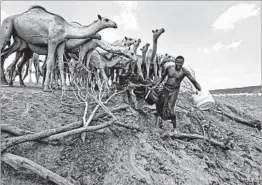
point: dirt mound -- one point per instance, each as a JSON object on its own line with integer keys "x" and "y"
{"x": 117, "y": 155}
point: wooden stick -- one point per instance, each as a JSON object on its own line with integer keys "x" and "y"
{"x": 21, "y": 162}
{"x": 196, "y": 136}
{"x": 252, "y": 123}
{"x": 31, "y": 137}
{"x": 14, "y": 130}
{"x": 85, "y": 124}
{"x": 79, "y": 131}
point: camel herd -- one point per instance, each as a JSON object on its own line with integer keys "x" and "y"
{"x": 70, "y": 45}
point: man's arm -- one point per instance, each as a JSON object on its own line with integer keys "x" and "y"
{"x": 192, "y": 80}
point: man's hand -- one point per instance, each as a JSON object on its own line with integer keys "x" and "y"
{"x": 197, "y": 92}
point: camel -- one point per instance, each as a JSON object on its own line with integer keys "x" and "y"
{"x": 144, "y": 50}
{"x": 135, "y": 45}
{"x": 138, "y": 68}
{"x": 125, "y": 42}
{"x": 112, "y": 72}
{"x": 98, "y": 62}
{"x": 21, "y": 46}
{"x": 97, "y": 57}
{"x": 151, "y": 53}
{"x": 132, "y": 66}
{"x": 22, "y": 49}
{"x": 86, "y": 51}
{"x": 51, "y": 31}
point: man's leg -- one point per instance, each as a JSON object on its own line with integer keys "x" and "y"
{"x": 173, "y": 119}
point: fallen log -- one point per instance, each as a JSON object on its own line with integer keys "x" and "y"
{"x": 131, "y": 127}
{"x": 20, "y": 162}
{"x": 14, "y": 130}
{"x": 79, "y": 131}
{"x": 196, "y": 136}
{"x": 252, "y": 123}
{"x": 31, "y": 137}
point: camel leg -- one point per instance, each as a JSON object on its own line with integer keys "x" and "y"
{"x": 54, "y": 78}
{"x": 5, "y": 55}
{"x": 139, "y": 69}
{"x": 155, "y": 70}
{"x": 60, "y": 54}
{"x": 49, "y": 65}
{"x": 37, "y": 75}
{"x": 159, "y": 72}
{"x": 30, "y": 69}
{"x": 27, "y": 55}
{"x": 147, "y": 67}
{"x": 120, "y": 72}
{"x": 27, "y": 69}
{"x": 88, "y": 57}
{"x": 115, "y": 73}
{"x": 44, "y": 72}
{"x": 13, "y": 66}
{"x": 6, "y": 32}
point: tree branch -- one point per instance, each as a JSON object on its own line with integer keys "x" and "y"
{"x": 14, "y": 130}
{"x": 196, "y": 136}
{"x": 21, "y": 162}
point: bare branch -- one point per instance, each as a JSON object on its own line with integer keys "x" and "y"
{"x": 14, "y": 130}
{"x": 21, "y": 162}
{"x": 196, "y": 136}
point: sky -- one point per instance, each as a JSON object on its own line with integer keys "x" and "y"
{"x": 220, "y": 40}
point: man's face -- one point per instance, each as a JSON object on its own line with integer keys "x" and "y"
{"x": 179, "y": 63}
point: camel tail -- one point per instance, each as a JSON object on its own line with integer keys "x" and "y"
{"x": 7, "y": 29}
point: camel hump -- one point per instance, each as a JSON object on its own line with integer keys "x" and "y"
{"x": 43, "y": 9}
{"x": 37, "y": 6}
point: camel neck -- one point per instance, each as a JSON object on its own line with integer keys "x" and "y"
{"x": 109, "y": 47}
{"x": 83, "y": 32}
{"x": 112, "y": 63}
{"x": 135, "y": 48}
{"x": 154, "y": 49}
{"x": 143, "y": 56}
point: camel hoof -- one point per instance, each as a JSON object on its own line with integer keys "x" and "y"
{"x": 11, "y": 85}
{"x": 4, "y": 82}
{"x": 46, "y": 89}
{"x": 56, "y": 87}
{"x": 65, "y": 88}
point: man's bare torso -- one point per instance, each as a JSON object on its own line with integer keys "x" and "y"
{"x": 175, "y": 77}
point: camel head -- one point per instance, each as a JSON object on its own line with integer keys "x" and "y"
{"x": 165, "y": 58}
{"x": 129, "y": 53}
{"x": 105, "y": 22}
{"x": 137, "y": 42}
{"x": 145, "y": 48}
{"x": 157, "y": 33}
{"x": 121, "y": 62}
{"x": 96, "y": 36}
{"x": 129, "y": 41}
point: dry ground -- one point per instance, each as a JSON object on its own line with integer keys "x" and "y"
{"x": 121, "y": 156}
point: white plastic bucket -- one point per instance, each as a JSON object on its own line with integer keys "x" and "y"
{"x": 203, "y": 100}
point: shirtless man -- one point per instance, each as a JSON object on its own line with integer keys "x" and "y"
{"x": 168, "y": 96}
